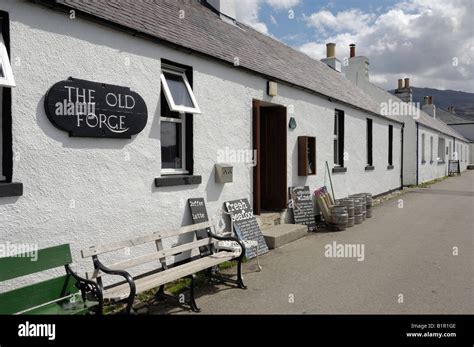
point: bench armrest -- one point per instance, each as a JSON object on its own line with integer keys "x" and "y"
{"x": 98, "y": 265}
{"x": 89, "y": 289}
{"x": 221, "y": 238}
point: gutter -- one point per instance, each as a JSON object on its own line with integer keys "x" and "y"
{"x": 60, "y": 6}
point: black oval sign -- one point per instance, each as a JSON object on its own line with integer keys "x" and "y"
{"x": 90, "y": 109}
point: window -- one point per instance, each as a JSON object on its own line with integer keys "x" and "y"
{"x": 6, "y": 82}
{"x": 369, "y": 143}
{"x": 423, "y": 149}
{"x": 6, "y": 73}
{"x": 431, "y": 149}
{"x": 176, "y": 124}
{"x": 339, "y": 138}
{"x": 441, "y": 149}
{"x": 177, "y": 90}
{"x": 390, "y": 145}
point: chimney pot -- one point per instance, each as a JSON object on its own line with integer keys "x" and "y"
{"x": 330, "y": 50}
{"x": 400, "y": 83}
{"x": 430, "y": 100}
{"x": 352, "y": 48}
{"x": 425, "y": 100}
{"x": 407, "y": 82}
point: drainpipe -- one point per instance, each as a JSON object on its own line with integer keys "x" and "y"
{"x": 401, "y": 151}
{"x": 417, "y": 145}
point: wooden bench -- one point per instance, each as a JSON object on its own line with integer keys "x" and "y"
{"x": 163, "y": 272}
{"x": 55, "y": 296}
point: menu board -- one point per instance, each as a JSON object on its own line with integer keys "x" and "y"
{"x": 246, "y": 226}
{"x": 199, "y": 215}
{"x": 453, "y": 167}
{"x": 302, "y": 207}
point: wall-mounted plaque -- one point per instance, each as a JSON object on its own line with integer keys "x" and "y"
{"x": 90, "y": 109}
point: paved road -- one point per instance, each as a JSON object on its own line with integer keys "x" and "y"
{"x": 408, "y": 251}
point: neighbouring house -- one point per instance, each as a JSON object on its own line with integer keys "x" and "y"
{"x": 461, "y": 125}
{"x": 161, "y": 92}
{"x": 428, "y": 143}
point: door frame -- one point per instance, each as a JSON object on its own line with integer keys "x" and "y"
{"x": 256, "y": 143}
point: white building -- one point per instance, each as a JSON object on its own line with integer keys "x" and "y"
{"x": 177, "y": 56}
{"x": 428, "y": 143}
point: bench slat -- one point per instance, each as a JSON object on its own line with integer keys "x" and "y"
{"x": 48, "y": 258}
{"x": 36, "y": 294}
{"x": 151, "y": 257}
{"x": 122, "y": 291}
{"x": 114, "y": 246}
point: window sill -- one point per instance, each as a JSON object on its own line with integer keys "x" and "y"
{"x": 337, "y": 169}
{"x": 423, "y": 161}
{"x": 11, "y": 189}
{"x": 177, "y": 180}
{"x": 390, "y": 167}
{"x": 369, "y": 168}
{"x": 431, "y": 161}
{"x": 441, "y": 162}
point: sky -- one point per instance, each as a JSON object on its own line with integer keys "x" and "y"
{"x": 430, "y": 41}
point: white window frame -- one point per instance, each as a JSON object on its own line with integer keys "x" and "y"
{"x": 442, "y": 147}
{"x": 169, "y": 96}
{"x": 8, "y": 80}
{"x": 336, "y": 140}
{"x": 431, "y": 149}
{"x": 181, "y": 120}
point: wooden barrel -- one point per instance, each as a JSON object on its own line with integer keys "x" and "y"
{"x": 369, "y": 199}
{"x": 349, "y": 204}
{"x": 364, "y": 215}
{"x": 339, "y": 217}
{"x": 358, "y": 219}
{"x": 350, "y": 222}
{"x": 369, "y": 212}
{"x": 358, "y": 206}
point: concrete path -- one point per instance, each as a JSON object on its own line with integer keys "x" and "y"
{"x": 408, "y": 264}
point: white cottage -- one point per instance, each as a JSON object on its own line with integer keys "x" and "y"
{"x": 428, "y": 143}
{"x": 215, "y": 91}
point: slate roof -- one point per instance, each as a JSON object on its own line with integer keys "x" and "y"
{"x": 203, "y": 31}
{"x": 448, "y": 117}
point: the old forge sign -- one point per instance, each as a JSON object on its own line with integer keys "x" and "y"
{"x": 91, "y": 109}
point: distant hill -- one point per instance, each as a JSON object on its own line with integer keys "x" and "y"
{"x": 463, "y": 102}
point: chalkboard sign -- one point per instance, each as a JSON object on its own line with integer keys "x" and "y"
{"x": 302, "y": 206}
{"x": 246, "y": 226}
{"x": 454, "y": 167}
{"x": 90, "y": 109}
{"x": 199, "y": 215}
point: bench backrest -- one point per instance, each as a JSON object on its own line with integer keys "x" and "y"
{"x": 157, "y": 238}
{"x": 38, "y": 293}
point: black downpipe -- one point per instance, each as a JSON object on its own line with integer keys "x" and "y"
{"x": 417, "y": 146}
{"x": 401, "y": 160}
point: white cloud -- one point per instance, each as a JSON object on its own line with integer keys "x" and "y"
{"x": 247, "y": 12}
{"x": 282, "y": 4}
{"x": 416, "y": 38}
{"x": 352, "y": 20}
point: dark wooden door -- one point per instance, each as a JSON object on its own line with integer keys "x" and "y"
{"x": 273, "y": 158}
{"x": 256, "y": 147}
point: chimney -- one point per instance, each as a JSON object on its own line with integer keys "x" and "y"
{"x": 356, "y": 69}
{"x": 404, "y": 91}
{"x": 400, "y": 83}
{"x": 429, "y": 107}
{"x": 331, "y": 59}
{"x": 451, "y": 109}
{"x": 352, "y": 49}
{"x": 226, "y": 8}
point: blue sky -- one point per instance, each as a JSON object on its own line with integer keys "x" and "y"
{"x": 430, "y": 41}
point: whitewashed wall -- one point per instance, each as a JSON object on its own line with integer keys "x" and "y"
{"x": 84, "y": 191}
{"x": 431, "y": 170}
